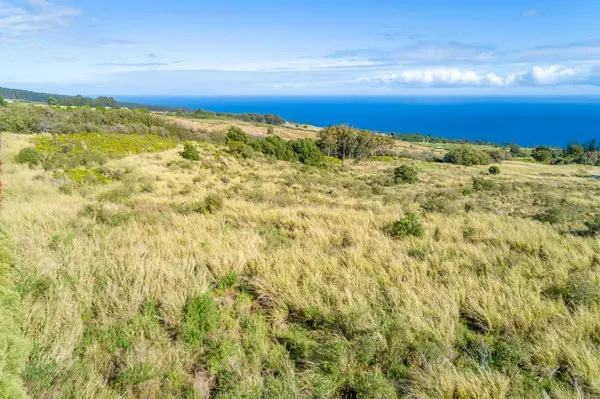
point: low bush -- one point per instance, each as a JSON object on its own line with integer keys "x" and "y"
{"x": 405, "y": 174}
{"x": 542, "y": 154}
{"x": 307, "y": 151}
{"x": 409, "y": 225}
{"x": 240, "y": 149}
{"x": 30, "y": 156}
{"x": 499, "y": 155}
{"x": 277, "y": 147}
{"x": 236, "y": 134}
{"x": 200, "y": 317}
{"x": 467, "y": 155}
{"x": 190, "y": 152}
{"x": 439, "y": 203}
{"x": 212, "y": 204}
{"x": 482, "y": 184}
{"x": 494, "y": 170}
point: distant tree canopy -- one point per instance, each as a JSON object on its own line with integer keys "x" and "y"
{"x": 542, "y": 153}
{"x": 27, "y": 118}
{"x": 467, "y": 155}
{"x": 303, "y": 150}
{"x": 269, "y": 119}
{"x": 515, "y": 150}
{"x": 3, "y": 102}
{"x": 420, "y": 138}
{"x": 80, "y": 101}
{"x": 346, "y": 142}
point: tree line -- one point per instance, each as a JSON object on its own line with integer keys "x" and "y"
{"x": 587, "y": 153}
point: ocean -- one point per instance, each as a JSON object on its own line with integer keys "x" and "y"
{"x": 527, "y": 121}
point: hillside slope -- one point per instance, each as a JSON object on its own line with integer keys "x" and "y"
{"x": 155, "y": 277}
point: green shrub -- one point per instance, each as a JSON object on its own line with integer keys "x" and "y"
{"x": 439, "y": 203}
{"x": 200, "y": 317}
{"x": 30, "y": 156}
{"x": 542, "y": 154}
{"x": 277, "y": 147}
{"x": 308, "y": 152}
{"x": 409, "y": 225}
{"x": 236, "y": 134}
{"x": 190, "y": 152}
{"x": 467, "y": 155}
{"x": 270, "y": 130}
{"x": 240, "y": 149}
{"x": 499, "y": 155}
{"x": 405, "y": 174}
{"x": 482, "y": 184}
{"x": 494, "y": 170}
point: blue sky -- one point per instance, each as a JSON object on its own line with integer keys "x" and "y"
{"x": 428, "y": 47}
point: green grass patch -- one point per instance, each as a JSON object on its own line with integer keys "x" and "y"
{"x": 13, "y": 345}
{"x": 114, "y": 145}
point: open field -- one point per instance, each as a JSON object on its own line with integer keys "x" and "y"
{"x": 231, "y": 277}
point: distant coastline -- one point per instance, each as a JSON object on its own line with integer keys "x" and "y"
{"x": 527, "y": 121}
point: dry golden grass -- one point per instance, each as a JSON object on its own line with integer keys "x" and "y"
{"x": 105, "y": 293}
{"x": 289, "y": 132}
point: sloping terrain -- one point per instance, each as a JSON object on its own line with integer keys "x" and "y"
{"x": 155, "y": 276}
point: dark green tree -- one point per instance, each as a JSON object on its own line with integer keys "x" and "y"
{"x": 236, "y": 134}
{"x": 542, "y": 154}
{"x": 308, "y": 152}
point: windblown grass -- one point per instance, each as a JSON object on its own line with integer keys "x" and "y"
{"x": 294, "y": 288}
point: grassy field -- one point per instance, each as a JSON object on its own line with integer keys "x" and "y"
{"x": 255, "y": 278}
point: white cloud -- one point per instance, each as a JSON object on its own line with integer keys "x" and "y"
{"x": 552, "y": 75}
{"x": 438, "y": 77}
{"x": 34, "y": 16}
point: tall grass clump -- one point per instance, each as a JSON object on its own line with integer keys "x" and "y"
{"x": 13, "y": 345}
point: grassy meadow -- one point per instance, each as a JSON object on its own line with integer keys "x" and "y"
{"x": 154, "y": 276}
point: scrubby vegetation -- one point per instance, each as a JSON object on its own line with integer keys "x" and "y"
{"x": 250, "y": 274}
{"x": 346, "y": 142}
{"x": 467, "y": 155}
{"x": 13, "y": 345}
{"x": 405, "y": 174}
{"x": 27, "y": 118}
